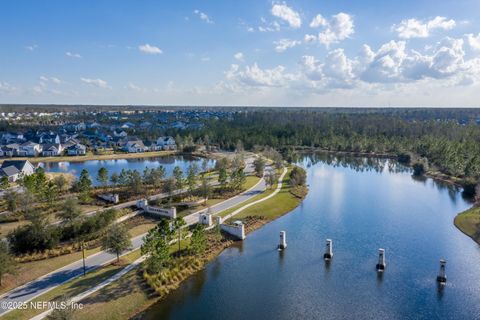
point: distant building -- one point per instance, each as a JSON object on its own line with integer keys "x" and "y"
{"x": 15, "y": 169}
{"x": 77, "y": 150}
{"x": 51, "y": 150}
{"x": 166, "y": 143}
{"x": 29, "y": 149}
{"x": 134, "y": 146}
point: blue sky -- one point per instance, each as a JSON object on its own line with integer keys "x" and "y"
{"x": 293, "y": 53}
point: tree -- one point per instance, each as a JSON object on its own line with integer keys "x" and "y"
{"x": 114, "y": 179}
{"x": 178, "y": 176}
{"x": 205, "y": 189}
{"x": 4, "y": 183}
{"x": 7, "y": 262}
{"x": 135, "y": 182}
{"x": 198, "y": 242}
{"x": 192, "y": 178}
{"x": 12, "y": 198}
{"x": 204, "y": 166}
{"x": 298, "y": 176}
{"x": 237, "y": 179}
{"x": 156, "y": 246}
{"x": 26, "y": 200}
{"x": 222, "y": 178}
{"x": 51, "y": 192}
{"x": 169, "y": 187}
{"x": 178, "y": 224}
{"x": 60, "y": 182}
{"x": 35, "y": 236}
{"x": 271, "y": 178}
{"x": 116, "y": 240}
{"x": 259, "y": 165}
{"x": 70, "y": 211}
{"x": 477, "y": 195}
{"x": 84, "y": 185}
{"x": 156, "y": 176}
{"x": 102, "y": 176}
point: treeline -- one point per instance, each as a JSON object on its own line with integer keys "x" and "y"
{"x": 450, "y": 147}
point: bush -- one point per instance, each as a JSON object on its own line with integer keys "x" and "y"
{"x": 34, "y": 237}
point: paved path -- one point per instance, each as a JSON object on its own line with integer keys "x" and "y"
{"x": 277, "y": 190}
{"x": 52, "y": 280}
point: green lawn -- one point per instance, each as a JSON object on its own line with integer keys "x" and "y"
{"x": 274, "y": 207}
{"x": 469, "y": 223}
{"x": 76, "y": 286}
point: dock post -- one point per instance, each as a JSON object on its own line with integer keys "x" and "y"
{"x": 381, "y": 260}
{"x": 283, "y": 241}
{"x": 442, "y": 277}
{"x": 329, "y": 251}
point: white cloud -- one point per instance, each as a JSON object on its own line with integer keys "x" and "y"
{"x": 148, "y": 49}
{"x": 413, "y": 28}
{"x": 338, "y": 28}
{"x": 50, "y": 79}
{"x": 133, "y": 87}
{"x": 287, "y": 14}
{"x": 203, "y": 16}
{"x": 284, "y": 44}
{"x": 473, "y": 41}
{"x": 318, "y": 21}
{"x": 96, "y": 82}
{"x": 256, "y": 77}
{"x": 6, "y": 87}
{"x": 239, "y": 56}
{"x": 73, "y": 55}
{"x": 31, "y": 47}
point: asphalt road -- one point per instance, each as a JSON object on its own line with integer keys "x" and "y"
{"x": 50, "y": 281}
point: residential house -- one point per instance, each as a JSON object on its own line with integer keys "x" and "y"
{"x": 134, "y": 146}
{"x": 166, "y": 143}
{"x": 120, "y": 134}
{"x": 29, "y": 149}
{"x": 52, "y": 150}
{"x": 76, "y": 150}
{"x": 49, "y": 138}
{"x": 15, "y": 169}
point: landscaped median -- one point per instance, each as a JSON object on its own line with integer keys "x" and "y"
{"x": 469, "y": 223}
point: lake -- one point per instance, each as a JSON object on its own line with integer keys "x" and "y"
{"x": 362, "y": 205}
{"x": 117, "y": 165}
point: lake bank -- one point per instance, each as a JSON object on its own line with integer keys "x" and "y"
{"x": 122, "y": 306}
{"x": 468, "y": 222}
{"x": 91, "y": 156}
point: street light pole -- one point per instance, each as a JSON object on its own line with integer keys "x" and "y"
{"x": 83, "y": 257}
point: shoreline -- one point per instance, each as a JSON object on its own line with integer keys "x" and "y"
{"x": 252, "y": 223}
{"x": 92, "y": 157}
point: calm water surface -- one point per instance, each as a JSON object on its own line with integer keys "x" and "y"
{"x": 362, "y": 205}
{"x": 92, "y": 166}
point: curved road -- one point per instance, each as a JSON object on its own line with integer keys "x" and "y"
{"x": 52, "y": 280}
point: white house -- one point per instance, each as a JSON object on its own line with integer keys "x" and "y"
{"x": 15, "y": 169}
{"x": 135, "y": 146}
{"x": 166, "y": 143}
{"x": 29, "y": 149}
{"x": 51, "y": 150}
{"x": 77, "y": 150}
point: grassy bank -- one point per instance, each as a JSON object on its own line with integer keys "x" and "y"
{"x": 469, "y": 223}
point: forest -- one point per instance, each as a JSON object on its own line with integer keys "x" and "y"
{"x": 439, "y": 141}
